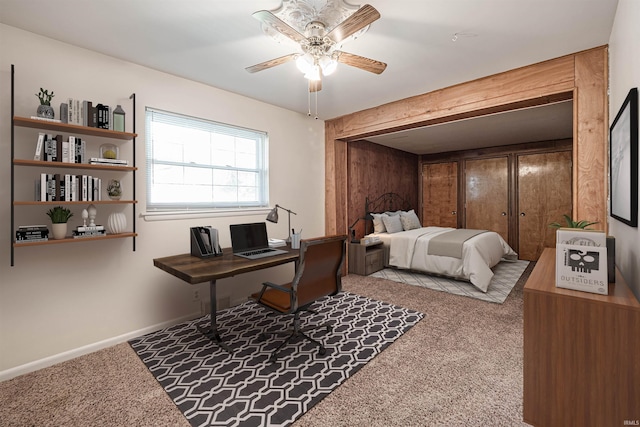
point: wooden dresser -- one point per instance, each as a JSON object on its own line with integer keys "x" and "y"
{"x": 581, "y": 353}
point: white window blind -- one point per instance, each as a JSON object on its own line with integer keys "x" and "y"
{"x": 199, "y": 164}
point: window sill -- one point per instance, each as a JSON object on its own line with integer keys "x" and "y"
{"x": 217, "y": 213}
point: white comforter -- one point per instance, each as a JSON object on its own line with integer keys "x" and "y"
{"x": 408, "y": 250}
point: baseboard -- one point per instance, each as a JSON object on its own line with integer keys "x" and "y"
{"x": 81, "y": 351}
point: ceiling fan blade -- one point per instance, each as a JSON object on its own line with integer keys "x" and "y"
{"x": 279, "y": 25}
{"x": 361, "y": 62}
{"x": 271, "y": 63}
{"x": 315, "y": 85}
{"x": 360, "y": 19}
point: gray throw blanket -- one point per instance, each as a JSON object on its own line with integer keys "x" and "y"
{"x": 450, "y": 243}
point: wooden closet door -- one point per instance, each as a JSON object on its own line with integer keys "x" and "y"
{"x": 544, "y": 195}
{"x": 487, "y": 195}
{"x": 440, "y": 194}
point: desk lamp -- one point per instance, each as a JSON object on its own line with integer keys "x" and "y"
{"x": 273, "y": 217}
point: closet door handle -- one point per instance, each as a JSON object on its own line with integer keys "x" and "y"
{"x": 453, "y": 212}
{"x": 503, "y": 214}
{"x": 522, "y": 214}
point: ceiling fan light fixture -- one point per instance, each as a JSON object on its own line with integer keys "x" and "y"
{"x": 305, "y": 63}
{"x": 313, "y": 73}
{"x": 328, "y": 65}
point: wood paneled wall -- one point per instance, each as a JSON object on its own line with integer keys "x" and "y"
{"x": 581, "y": 76}
{"x": 373, "y": 170}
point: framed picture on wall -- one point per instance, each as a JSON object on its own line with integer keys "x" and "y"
{"x": 623, "y": 158}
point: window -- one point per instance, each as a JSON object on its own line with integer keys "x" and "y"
{"x": 194, "y": 163}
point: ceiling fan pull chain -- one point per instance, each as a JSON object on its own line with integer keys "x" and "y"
{"x": 309, "y": 103}
{"x": 316, "y": 93}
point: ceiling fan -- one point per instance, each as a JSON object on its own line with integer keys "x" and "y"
{"x": 321, "y": 46}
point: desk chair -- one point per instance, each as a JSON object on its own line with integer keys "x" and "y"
{"x": 318, "y": 275}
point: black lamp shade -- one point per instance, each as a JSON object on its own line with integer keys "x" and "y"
{"x": 273, "y": 215}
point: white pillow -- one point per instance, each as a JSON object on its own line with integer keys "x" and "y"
{"x": 378, "y": 225}
{"x": 392, "y": 223}
{"x": 409, "y": 220}
{"x": 393, "y": 213}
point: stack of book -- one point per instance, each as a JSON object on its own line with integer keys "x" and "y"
{"x": 32, "y": 233}
{"x": 68, "y": 188}
{"x": 275, "y": 243}
{"x": 53, "y": 148}
{"x": 89, "y": 231}
{"x": 84, "y": 113}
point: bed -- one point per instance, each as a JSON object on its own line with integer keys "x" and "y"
{"x": 460, "y": 254}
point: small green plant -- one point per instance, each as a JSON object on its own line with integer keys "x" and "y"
{"x": 44, "y": 96}
{"x": 572, "y": 224}
{"x": 59, "y": 214}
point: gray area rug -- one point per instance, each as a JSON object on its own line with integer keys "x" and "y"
{"x": 213, "y": 388}
{"x": 506, "y": 275}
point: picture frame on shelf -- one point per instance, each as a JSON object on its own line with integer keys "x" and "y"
{"x": 623, "y": 162}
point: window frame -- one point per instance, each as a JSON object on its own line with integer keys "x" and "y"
{"x": 223, "y": 208}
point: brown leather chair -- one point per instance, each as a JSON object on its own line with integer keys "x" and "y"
{"x": 318, "y": 275}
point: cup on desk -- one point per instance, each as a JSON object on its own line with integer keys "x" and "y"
{"x": 295, "y": 240}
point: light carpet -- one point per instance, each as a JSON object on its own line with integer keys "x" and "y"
{"x": 213, "y": 388}
{"x": 506, "y": 275}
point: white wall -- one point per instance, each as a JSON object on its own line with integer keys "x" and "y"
{"x": 624, "y": 74}
{"x": 59, "y": 301}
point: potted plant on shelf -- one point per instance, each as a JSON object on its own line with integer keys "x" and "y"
{"x": 59, "y": 216}
{"x": 45, "y": 109}
{"x": 570, "y": 223}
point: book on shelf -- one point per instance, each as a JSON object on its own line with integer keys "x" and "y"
{"x": 80, "y": 150}
{"x": 59, "y": 187}
{"x": 97, "y": 188}
{"x": 89, "y": 228}
{"x": 86, "y": 112}
{"x": 64, "y": 112}
{"x": 39, "y": 144}
{"x": 80, "y": 234}
{"x": 45, "y": 119}
{"x": 74, "y": 110}
{"x": 65, "y": 152}
{"x": 48, "y": 153}
{"x": 103, "y": 113}
{"x": 57, "y": 140}
{"x": 31, "y": 235}
{"x": 103, "y": 161}
{"x": 32, "y": 227}
{"x": 42, "y": 239}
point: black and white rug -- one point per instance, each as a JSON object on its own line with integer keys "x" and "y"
{"x": 214, "y": 388}
{"x": 505, "y": 277}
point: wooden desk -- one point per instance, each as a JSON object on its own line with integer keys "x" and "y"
{"x": 195, "y": 270}
{"x": 581, "y": 352}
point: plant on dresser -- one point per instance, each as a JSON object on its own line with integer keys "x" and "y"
{"x": 70, "y": 176}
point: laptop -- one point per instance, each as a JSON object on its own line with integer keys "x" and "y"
{"x": 250, "y": 241}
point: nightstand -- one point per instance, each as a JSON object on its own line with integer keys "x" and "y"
{"x": 366, "y": 259}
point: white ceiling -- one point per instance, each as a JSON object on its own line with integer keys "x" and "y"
{"x": 212, "y": 41}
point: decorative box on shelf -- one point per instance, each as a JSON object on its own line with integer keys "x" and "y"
{"x": 581, "y": 260}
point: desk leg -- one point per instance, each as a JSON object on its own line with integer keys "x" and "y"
{"x": 211, "y": 332}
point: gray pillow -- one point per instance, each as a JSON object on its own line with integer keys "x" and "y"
{"x": 409, "y": 220}
{"x": 392, "y": 223}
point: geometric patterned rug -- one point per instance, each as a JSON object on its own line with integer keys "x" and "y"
{"x": 214, "y": 388}
{"x": 506, "y": 275}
